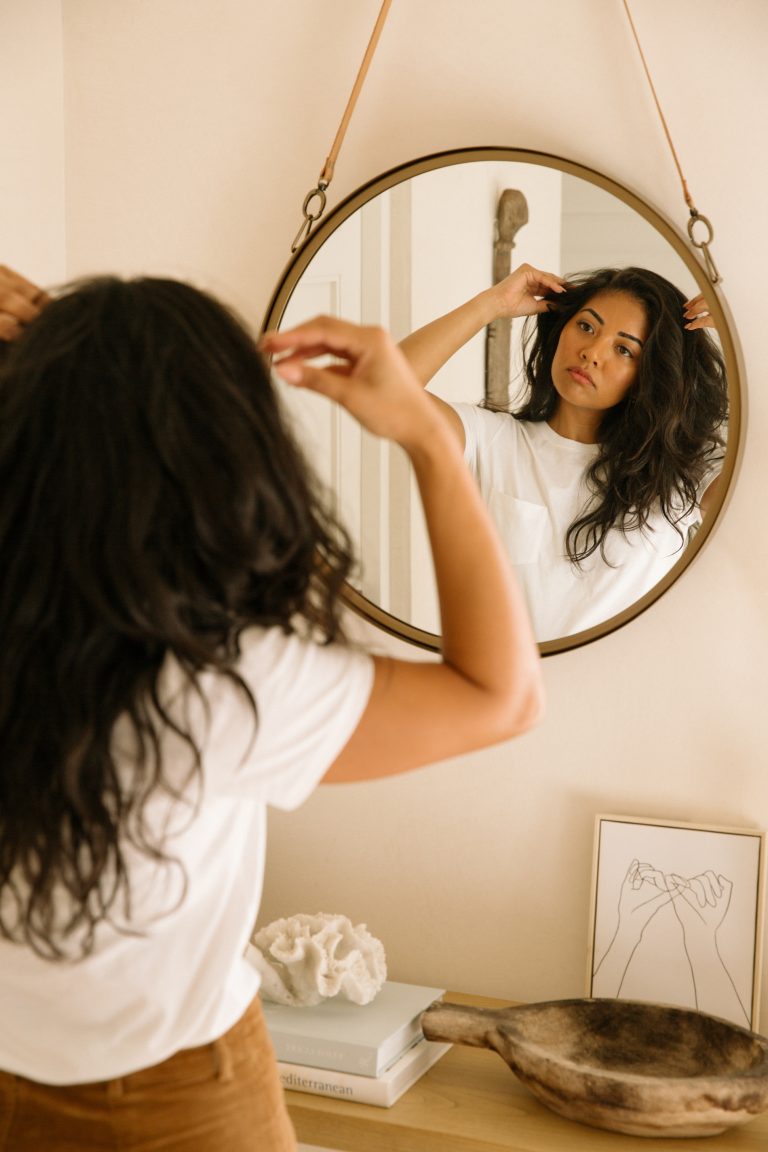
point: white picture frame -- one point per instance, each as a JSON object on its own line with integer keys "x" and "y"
{"x": 676, "y": 915}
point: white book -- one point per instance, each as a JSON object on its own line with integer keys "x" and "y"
{"x": 381, "y": 1091}
{"x": 343, "y": 1037}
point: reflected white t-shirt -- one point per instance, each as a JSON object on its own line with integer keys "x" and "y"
{"x": 138, "y": 999}
{"x": 533, "y": 483}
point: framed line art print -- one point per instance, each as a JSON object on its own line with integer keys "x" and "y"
{"x": 676, "y": 915}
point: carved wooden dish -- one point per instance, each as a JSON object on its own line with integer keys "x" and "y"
{"x": 642, "y": 1069}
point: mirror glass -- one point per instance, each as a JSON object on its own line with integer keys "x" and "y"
{"x": 409, "y": 247}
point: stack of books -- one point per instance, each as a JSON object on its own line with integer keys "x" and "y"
{"x": 369, "y": 1053}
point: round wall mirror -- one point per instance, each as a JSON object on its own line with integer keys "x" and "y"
{"x": 414, "y": 244}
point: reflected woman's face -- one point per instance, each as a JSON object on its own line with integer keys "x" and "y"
{"x": 598, "y": 354}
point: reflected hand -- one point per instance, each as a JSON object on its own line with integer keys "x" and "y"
{"x": 20, "y": 302}
{"x": 697, "y": 314}
{"x": 370, "y": 376}
{"x": 518, "y": 294}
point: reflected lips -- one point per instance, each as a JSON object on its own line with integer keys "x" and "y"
{"x": 581, "y": 376}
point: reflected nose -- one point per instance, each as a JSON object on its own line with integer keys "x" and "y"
{"x": 593, "y": 350}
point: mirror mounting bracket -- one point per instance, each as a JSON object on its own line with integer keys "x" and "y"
{"x": 694, "y": 219}
{"x": 310, "y": 217}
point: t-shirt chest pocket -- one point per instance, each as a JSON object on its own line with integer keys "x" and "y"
{"x": 521, "y": 525}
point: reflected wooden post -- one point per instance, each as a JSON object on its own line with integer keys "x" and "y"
{"x": 511, "y": 215}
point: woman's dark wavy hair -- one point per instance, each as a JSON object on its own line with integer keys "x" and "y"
{"x": 153, "y": 501}
{"x": 655, "y": 444}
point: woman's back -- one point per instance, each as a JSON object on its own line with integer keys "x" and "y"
{"x": 151, "y": 502}
{"x": 172, "y": 665}
{"x": 168, "y": 972}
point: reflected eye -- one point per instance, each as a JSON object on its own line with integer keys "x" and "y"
{"x": 584, "y": 325}
{"x": 624, "y": 351}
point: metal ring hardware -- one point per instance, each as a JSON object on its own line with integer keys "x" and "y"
{"x": 310, "y": 217}
{"x": 694, "y": 219}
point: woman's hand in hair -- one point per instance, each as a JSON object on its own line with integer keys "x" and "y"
{"x": 430, "y": 347}
{"x": 520, "y": 293}
{"x": 369, "y": 375}
{"x": 697, "y": 314}
{"x": 20, "y": 302}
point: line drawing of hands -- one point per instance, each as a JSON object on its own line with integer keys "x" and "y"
{"x": 699, "y": 904}
{"x": 701, "y": 901}
{"x": 644, "y": 891}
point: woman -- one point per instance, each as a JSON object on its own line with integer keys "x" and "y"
{"x": 172, "y": 663}
{"x": 597, "y": 480}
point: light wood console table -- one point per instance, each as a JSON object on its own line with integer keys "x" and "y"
{"x": 470, "y": 1101}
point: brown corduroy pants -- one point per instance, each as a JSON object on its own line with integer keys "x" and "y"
{"x": 220, "y": 1097}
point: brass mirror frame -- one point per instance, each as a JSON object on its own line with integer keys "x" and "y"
{"x": 298, "y": 264}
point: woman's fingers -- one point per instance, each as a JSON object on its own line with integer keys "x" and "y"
{"x": 295, "y": 370}
{"x": 548, "y": 281}
{"x": 21, "y": 301}
{"x": 697, "y": 314}
{"x": 539, "y": 276}
{"x": 306, "y": 352}
{"x": 10, "y": 327}
{"x": 519, "y": 294}
{"x": 324, "y": 335}
{"x": 538, "y": 283}
{"x": 369, "y": 375}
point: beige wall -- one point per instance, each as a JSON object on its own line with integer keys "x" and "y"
{"x": 193, "y": 132}
{"x": 32, "y": 138}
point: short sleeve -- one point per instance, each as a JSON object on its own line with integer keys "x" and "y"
{"x": 467, "y": 413}
{"x": 484, "y": 429}
{"x": 309, "y": 700}
{"x": 714, "y": 466}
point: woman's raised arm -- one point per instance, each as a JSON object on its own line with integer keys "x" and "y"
{"x": 429, "y": 348}
{"x": 518, "y": 294}
{"x": 487, "y": 688}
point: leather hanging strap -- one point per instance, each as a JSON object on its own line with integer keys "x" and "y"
{"x": 695, "y": 216}
{"x": 312, "y": 213}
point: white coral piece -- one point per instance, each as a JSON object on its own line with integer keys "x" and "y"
{"x": 305, "y": 959}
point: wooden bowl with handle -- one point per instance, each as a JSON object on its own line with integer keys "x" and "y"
{"x": 638, "y": 1068}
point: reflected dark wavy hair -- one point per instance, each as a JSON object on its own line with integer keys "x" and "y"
{"x": 153, "y": 501}
{"x": 655, "y": 444}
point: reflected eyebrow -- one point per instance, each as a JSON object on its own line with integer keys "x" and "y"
{"x": 626, "y": 335}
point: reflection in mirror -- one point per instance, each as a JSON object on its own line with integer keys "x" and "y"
{"x": 597, "y": 478}
{"x": 418, "y": 249}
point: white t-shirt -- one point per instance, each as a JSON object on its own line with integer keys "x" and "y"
{"x": 533, "y": 483}
{"x": 138, "y": 999}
